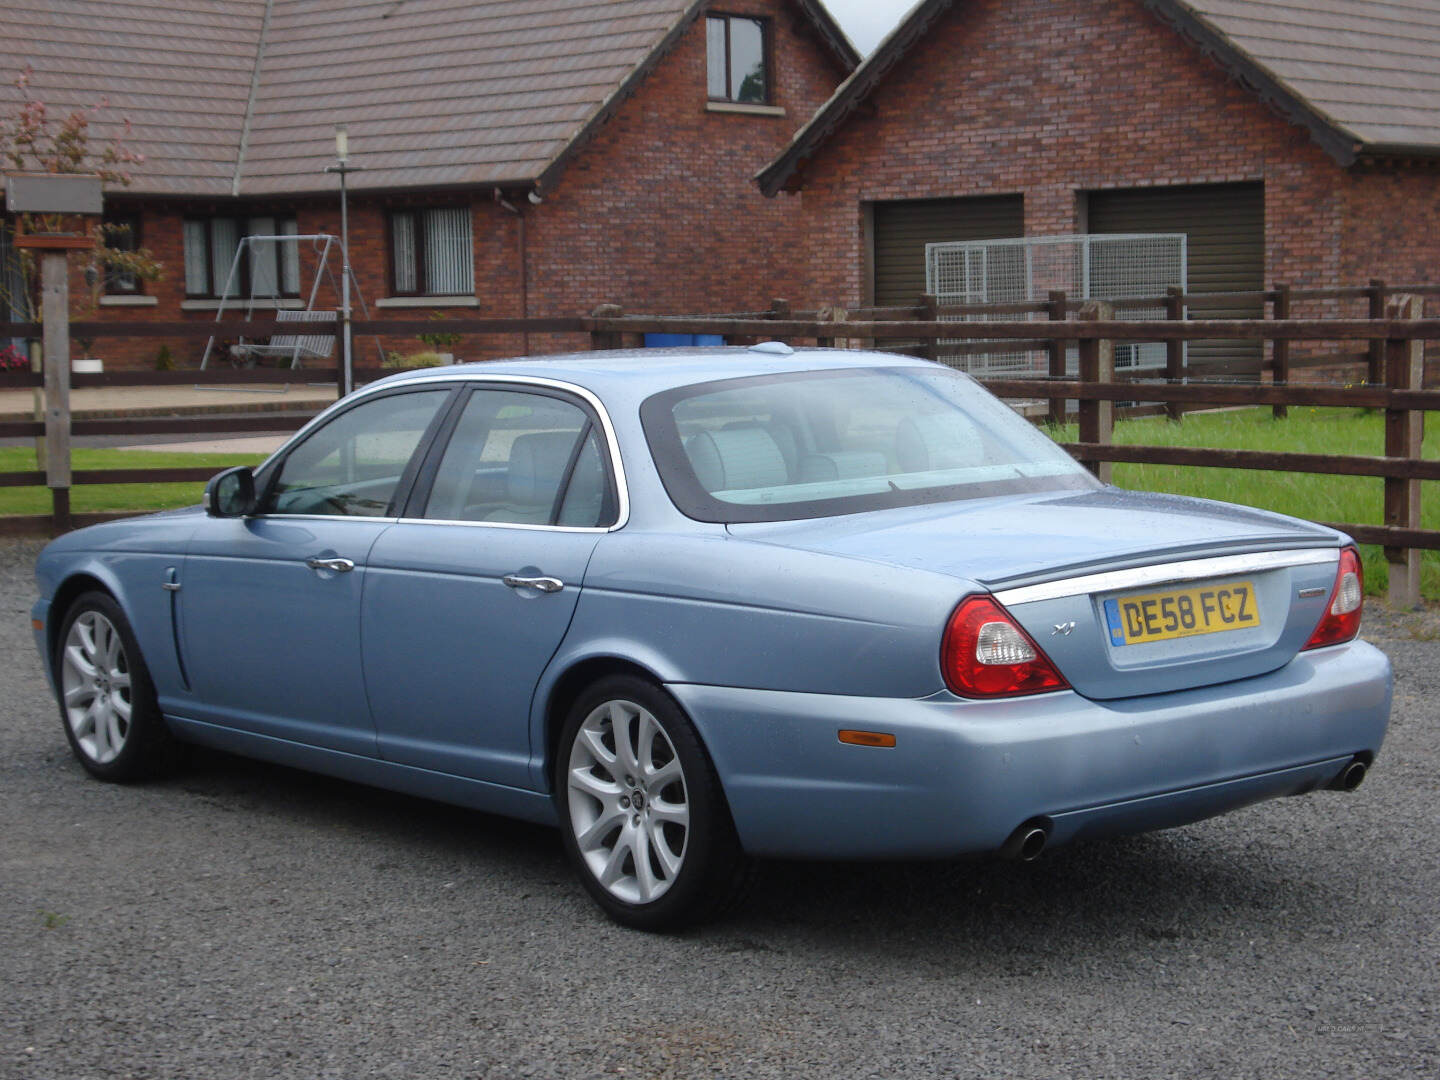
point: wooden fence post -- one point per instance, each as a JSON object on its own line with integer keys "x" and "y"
{"x": 1097, "y": 365}
{"x": 930, "y": 312}
{"x": 1404, "y": 433}
{"x": 1280, "y": 351}
{"x": 606, "y": 339}
{"x": 1376, "y": 292}
{"x": 1058, "y": 311}
{"x": 55, "y": 309}
{"x": 836, "y": 315}
{"x": 1175, "y": 350}
{"x": 779, "y": 310}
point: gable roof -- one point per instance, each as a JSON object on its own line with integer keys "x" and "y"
{"x": 240, "y": 97}
{"x": 1369, "y": 69}
{"x": 1363, "y": 76}
{"x": 181, "y": 74}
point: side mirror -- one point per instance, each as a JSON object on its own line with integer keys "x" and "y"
{"x": 231, "y": 493}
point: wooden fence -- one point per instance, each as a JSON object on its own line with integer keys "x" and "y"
{"x": 1392, "y": 336}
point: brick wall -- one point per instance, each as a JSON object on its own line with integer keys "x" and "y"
{"x": 658, "y": 213}
{"x": 1051, "y": 98}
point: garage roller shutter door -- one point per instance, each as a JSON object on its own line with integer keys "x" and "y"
{"x": 903, "y": 228}
{"x": 1226, "y": 228}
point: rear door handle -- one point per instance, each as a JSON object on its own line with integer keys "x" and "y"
{"x": 339, "y": 566}
{"x": 544, "y": 584}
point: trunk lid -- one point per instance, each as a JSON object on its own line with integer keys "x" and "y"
{"x": 1106, "y": 581}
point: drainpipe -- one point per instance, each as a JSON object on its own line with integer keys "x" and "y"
{"x": 524, "y": 261}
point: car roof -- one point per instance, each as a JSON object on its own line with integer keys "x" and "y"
{"x": 638, "y": 373}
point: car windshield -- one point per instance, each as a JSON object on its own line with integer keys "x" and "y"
{"x": 817, "y": 443}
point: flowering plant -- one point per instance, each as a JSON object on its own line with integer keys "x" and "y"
{"x": 12, "y": 359}
{"x": 33, "y": 139}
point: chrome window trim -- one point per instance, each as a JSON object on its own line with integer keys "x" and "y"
{"x": 507, "y": 525}
{"x": 319, "y": 517}
{"x": 1167, "y": 573}
{"x": 617, "y": 467}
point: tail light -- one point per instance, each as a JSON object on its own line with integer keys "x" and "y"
{"x": 986, "y": 654}
{"x": 1341, "y": 621}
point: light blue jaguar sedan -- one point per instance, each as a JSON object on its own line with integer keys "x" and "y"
{"x": 701, "y": 606}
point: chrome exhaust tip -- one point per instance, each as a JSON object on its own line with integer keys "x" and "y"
{"x": 1351, "y": 777}
{"x": 1026, "y": 843}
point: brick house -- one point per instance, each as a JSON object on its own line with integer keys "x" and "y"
{"x": 1292, "y": 143}
{"x": 517, "y": 159}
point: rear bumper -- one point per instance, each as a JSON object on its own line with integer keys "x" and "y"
{"x": 964, "y": 774}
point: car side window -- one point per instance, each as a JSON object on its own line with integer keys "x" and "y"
{"x": 353, "y": 465}
{"x": 522, "y": 459}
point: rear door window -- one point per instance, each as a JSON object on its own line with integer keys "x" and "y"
{"x": 520, "y": 458}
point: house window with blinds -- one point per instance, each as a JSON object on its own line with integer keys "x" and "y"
{"x": 432, "y": 252}
{"x": 270, "y": 268}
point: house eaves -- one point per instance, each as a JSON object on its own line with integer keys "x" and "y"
{"x": 842, "y": 50}
{"x": 1345, "y": 141}
{"x": 849, "y": 96}
{"x": 1342, "y": 145}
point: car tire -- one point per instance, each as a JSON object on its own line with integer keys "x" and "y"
{"x": 642, "y": 812}
{"x": 107, "y": 701}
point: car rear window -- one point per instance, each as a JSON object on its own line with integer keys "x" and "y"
{"x": 818, "y": 443}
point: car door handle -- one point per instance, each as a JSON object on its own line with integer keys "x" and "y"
{"x": 340, "y": 566}
{"x": 544, "y": 584}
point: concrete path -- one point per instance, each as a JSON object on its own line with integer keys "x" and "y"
{"x": 118, "y": 401}
{"x": 245, "y": 444}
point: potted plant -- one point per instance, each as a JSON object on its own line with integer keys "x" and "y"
{"x": 440, "y": 341}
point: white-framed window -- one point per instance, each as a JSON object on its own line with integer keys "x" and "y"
{"x": 737, "y": 59}
{"x": 432, "y": 252}
{"x": 272, "y": 268}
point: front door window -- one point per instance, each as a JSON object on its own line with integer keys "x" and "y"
{"x": 353, "y": 466}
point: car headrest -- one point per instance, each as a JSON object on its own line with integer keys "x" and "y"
{"x": 736, "y": 459}
{"x": 537, "y": 464}
{"x": 937, "y": 441}
{"x": 842, "y": 465}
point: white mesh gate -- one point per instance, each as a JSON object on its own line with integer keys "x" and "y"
{"x": 1094, "y": 267}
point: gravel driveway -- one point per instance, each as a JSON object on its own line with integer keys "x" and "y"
{"x": 245, "y": 920}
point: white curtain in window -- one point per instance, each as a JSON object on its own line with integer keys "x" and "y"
{"x": 224, "y": 240}
{"x": 403, "y": 230}
{"x": 289, "y": 259}
{"x": 715, "y": 57}
{"x": 197, "y": 266}
{"x": 263, "y": 270}
{"x": 449, "y": 257}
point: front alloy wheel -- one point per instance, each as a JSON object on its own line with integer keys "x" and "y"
{"x": 96, "y": 688}
{"x": 643, "y": 816}
{"x": 107, "y": 701}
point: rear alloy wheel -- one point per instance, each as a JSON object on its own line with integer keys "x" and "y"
{"x": 106, "y": 698}
{"x": 643, "y": 815}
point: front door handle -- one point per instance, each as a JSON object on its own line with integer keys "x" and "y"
{"x": 339, "y": 566}
{"x": 544, "y": 584}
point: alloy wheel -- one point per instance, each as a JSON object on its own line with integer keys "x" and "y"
{"x": 628, "y": 805}
{"x": 95, "y": 687}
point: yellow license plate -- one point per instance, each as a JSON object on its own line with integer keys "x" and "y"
{"x": 1177, "y": 613}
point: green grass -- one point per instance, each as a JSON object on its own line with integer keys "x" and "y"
{"x": 1355, "y": 499}
{"x": 95, "y": 498}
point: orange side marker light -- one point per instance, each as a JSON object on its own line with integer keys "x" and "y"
{"x": 866, "y": 738}
{"x": 37, "y": 624}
